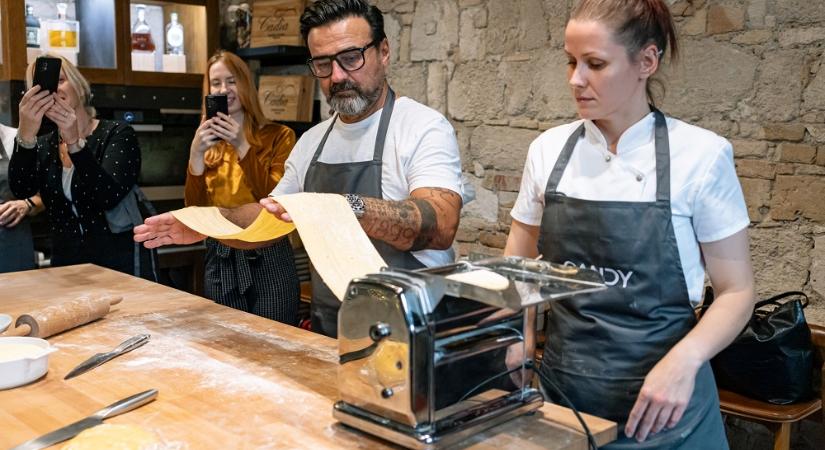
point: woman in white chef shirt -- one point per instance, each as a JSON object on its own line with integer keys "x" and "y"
{"x": 591, "y": 196}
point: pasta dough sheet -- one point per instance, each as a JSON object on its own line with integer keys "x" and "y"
{"x": 334, "y": 240}
{"x": 482, "y": 278}
{"x": 209, "y": 221}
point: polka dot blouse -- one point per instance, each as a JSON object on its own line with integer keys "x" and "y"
{"x": 104, "y": 172}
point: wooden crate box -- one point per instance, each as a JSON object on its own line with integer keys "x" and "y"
{"x": 276, "y": 22}
{"x": 287, "y": 98}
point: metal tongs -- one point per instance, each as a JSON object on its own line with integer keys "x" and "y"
{"x": 100, "y": 358}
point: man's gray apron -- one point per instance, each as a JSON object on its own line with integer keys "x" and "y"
{"x": 16, "y": 243}
{"x": 362, "y": 178}
{"x": 601, "y": 346}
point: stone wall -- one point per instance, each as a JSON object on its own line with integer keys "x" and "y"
{"x": 750, "y": 71}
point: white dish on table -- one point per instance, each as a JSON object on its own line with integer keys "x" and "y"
{"x": 5, "y": 321}
{"x": 29, "y": 360}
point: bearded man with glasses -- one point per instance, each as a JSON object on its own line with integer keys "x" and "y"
{"x": 396, "y": 160}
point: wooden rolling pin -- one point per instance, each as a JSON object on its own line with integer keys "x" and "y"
{"x": 56, "y": 318}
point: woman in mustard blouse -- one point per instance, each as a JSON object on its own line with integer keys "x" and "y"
{"x": 237, "y": 159}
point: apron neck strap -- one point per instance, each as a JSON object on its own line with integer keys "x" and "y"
{"x": 564, "y": 158}
{"x": 383, "y": 125}
{"x": 662, "y": 156}
{"x": 381, "y": 137}
{"x": 662, "y": 145}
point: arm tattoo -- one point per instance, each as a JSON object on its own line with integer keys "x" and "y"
{"x": 396, "y": 223}
{"x": 429, "y": 224}
{"x": 428, "y": 219}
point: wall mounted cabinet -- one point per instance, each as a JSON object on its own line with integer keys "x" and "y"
{"x": 178, "y": 38}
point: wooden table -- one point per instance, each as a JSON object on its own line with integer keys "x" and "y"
{"x": 227, "y": 379}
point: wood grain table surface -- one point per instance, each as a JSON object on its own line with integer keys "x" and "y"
{"x": 227, "y": 379}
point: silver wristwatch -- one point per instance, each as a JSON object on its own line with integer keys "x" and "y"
{"x": 357, "y": 205}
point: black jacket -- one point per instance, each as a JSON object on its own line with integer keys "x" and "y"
{"x": 104, "y": 172}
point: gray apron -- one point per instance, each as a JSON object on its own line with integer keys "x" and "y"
{"x": 16, "y": 245}
{"x": 601, "y": 346}
{"x": 362, "y": 178}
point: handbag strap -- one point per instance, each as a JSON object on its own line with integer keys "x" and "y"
{"x": 775, "y": 299}
{"x": 709, "y": 298}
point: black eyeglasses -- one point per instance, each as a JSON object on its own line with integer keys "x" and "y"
{"x": 349, "y": 60}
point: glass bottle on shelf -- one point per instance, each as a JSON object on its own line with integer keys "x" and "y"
{"x": 62, "y": 34}
{"x": 141, "y": 32}
{"x": 174, "y": 36}
{"x": 32, "y": 28}
{"x": 243, "y": 25}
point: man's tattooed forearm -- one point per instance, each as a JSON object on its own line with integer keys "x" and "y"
{"x": 427, "y": 220}
{"x": 396, "y": 223}
{"x": 428, "y": 226}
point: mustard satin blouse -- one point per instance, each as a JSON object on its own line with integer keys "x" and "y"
{"x": 230, "y": 182}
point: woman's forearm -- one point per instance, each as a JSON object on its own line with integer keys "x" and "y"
{"x": 728, "y": 265}
{"x": 718, "y": 327}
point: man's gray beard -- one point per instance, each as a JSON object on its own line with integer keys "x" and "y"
{"x": 353, "y": 105}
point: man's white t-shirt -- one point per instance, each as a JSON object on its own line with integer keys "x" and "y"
{"x": 421, "y": 151}
{"x": 705, "y": 195}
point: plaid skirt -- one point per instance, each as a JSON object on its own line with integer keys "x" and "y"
{"x": 262, "y": 281}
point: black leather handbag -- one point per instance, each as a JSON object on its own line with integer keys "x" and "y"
{"x": 772, "y": 359}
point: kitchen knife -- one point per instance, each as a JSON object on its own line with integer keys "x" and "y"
{"x": 72, "y": 430}
{"x": 100, "y": 358}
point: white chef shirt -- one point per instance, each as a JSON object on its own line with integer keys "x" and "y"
{"x": 420, "y": 151}
{"x": 705, "y": 195}
{"x": 7, "y": 135}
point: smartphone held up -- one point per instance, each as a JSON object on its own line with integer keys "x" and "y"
{"x": 215, "y": 104}
{"x": 47, "y": 76}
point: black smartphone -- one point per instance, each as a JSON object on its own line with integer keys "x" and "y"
{"x": 47, "y": 72}
{"x": 47, "y": 76}
{"x": 216, "y": 104}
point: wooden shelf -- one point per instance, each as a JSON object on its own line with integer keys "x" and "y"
{"x": 199, "y": 18}
{"x": 276, "y": 55}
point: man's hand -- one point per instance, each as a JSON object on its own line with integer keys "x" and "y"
{"x": 165, "y": 229}
{"x": 275, "y": 209}
{"x": 664, "y": 395}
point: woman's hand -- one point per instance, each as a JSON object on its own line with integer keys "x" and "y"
{"x": 64, "y": 116}
{"x": 226, "y": 128}
{"x": 33, "y": 107}
{"x": 12, "y": 212}
{"x": 665, "y": 394}
{"x": 204, "y": 139}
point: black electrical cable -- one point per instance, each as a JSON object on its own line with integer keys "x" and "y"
{"x": 530, "y": 364}
{"x": 591, "y": 441}
{"x": 488, "y": 380}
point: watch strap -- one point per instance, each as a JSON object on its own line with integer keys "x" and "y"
{"x": 357, "y": 205}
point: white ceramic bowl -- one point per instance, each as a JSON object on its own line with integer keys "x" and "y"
{"x": 23, "y": 370}
{"x": 5, "y": 321}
